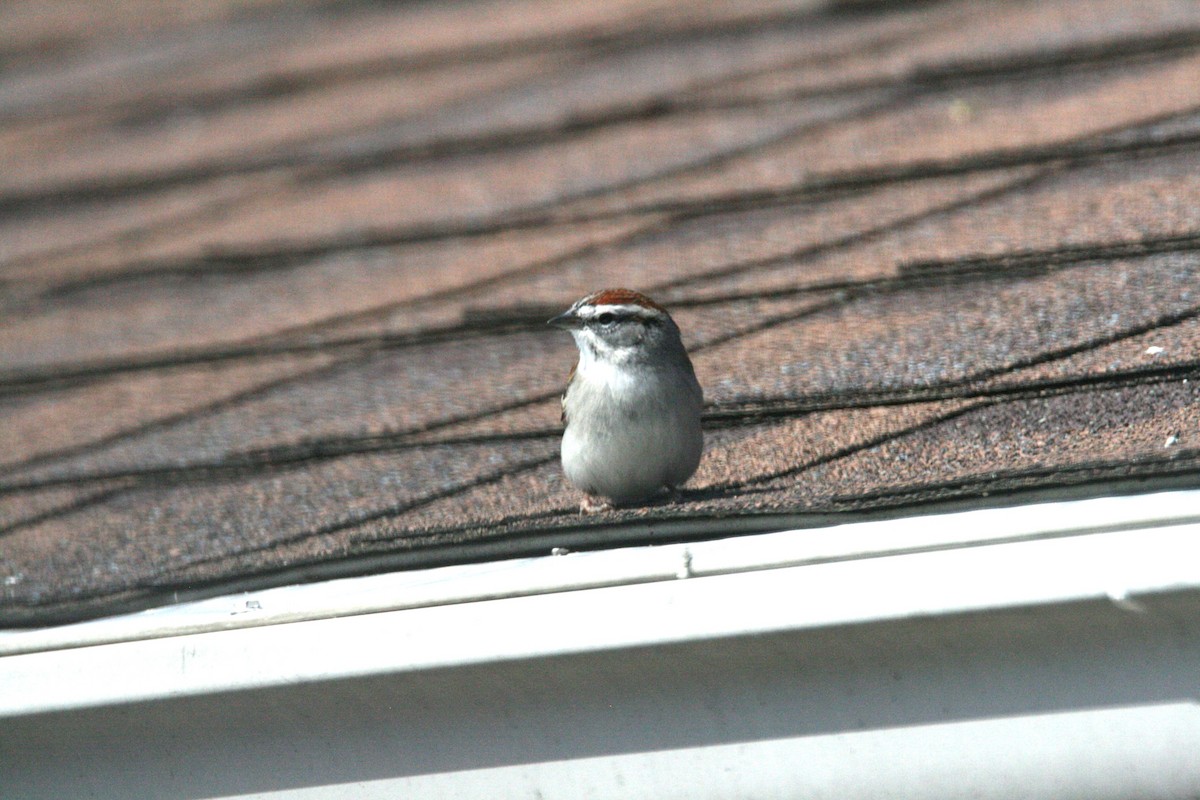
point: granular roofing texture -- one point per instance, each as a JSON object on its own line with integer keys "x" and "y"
{"x": 274, "y": 276}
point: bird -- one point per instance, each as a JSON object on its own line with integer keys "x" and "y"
{"x": 632, "y": 405}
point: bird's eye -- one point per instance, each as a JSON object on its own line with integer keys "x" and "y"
{"x": 605, "y": 318}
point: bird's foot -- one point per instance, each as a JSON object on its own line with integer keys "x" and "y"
{"x": 593, "y": 504}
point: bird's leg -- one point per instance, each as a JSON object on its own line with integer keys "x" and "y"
{"x": 593, "y": 504}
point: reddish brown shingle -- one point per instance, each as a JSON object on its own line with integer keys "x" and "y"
{"x": 273, "y": 277}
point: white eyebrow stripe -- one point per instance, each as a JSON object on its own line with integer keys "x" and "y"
{"x": 622, "y": 310}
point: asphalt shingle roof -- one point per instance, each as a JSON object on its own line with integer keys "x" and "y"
{"x": 273, "y": 277}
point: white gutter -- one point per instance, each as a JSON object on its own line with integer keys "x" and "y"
{"x": 1042, "y": 651}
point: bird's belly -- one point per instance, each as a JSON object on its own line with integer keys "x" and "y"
{"x": 634, "y": 459}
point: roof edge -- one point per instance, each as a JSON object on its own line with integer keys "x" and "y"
{"x": 1113, "y": 549}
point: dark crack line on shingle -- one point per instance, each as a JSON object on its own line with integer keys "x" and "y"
{"x": 733, "y": 415}
{"x": 1083, "y": 56}
{"x": 1078, "y": 152}
{"x": 250, "y": 261}
{"x": 1181, "y": 461}
{"x": 871, "y": 442}
{"x": 651, "y": 107}
{"x": 305, "y": 452}
{"x": 1023, "y": 261}
{"x": 284, "y": 257}
{"x": 147, "y": 112}
{"x": 683, "y": 102}
{"x": 298, "y": 339}
{"x": 977, "y": 268}
{"x": 971, "y": 403}
{"x": 499, "y": 324}
{"x": 1086, "y": 149}
{"x": 1083, "y": 151}
{"x": 82, "y": 503}
{"x": 852, "y": 239}
{"x": 278, "y": 256}
{"x": 874, "y": 108}
{"x": 969, "y": 392}
{"x": 920, "y": 83}
{"x": 286, "y": 457}
{"x": 536, "y": 216}
{"x": 70, "y": 375}
{"x": 160, "y": 423}
{"x": 976, "y": 384}
{"x": 914, "y": 275}
{"x": 535, "y": 316}
{"x": 127, "y": 59}
{"x": 291, "y": 456}
{"x": 27, "y": 296}
{"x": 518, "y": 527}
{"x": 1165, "y": 320}
{"x": 152, "y": 109}
{"x": 60, "y": 375}
{"x": 358, "y": 520}
{"x": 646, "y": 30}
{"x": 910, "y": 274}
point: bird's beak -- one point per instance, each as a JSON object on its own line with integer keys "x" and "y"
{"x": 567, "y": 320}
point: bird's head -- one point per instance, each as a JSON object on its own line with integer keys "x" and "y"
{"x": 620, "y": 326}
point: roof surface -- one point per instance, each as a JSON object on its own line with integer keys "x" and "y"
{"x": 273, "y": 278}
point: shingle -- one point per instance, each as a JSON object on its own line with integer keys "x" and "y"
{"x": 174, "y": 139}
{"x": 233, "y": 515}
{"x": 997, "y": 446}
{"x": 971, "y": 128}
{"x": 59, "y": 423}
{"x": 283, "y": 317}
{"x": 181, "y": 305}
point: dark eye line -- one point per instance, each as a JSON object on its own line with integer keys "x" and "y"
{"x": 609, "y": 317}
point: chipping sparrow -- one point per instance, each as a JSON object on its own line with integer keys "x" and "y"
{"x": 632, "y": 404}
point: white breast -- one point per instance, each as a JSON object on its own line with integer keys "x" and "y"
{"x": 631, "y": 432}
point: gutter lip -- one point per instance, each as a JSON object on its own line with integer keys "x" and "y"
{"x": 577, "y": 571}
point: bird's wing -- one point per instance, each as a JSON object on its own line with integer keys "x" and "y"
{"x": 563, "y": 398}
